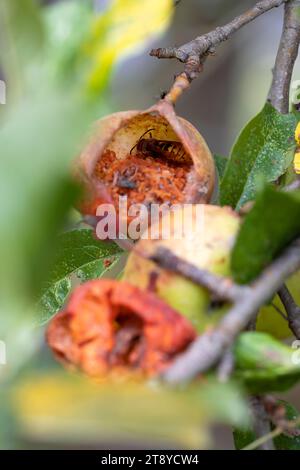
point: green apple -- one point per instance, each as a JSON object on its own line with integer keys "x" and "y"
{"x": 205, "y": 239}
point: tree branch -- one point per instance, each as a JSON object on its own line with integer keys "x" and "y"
{"x": 261, "y": 423}
{"x": 226, "y": 366}
{"x": 223, "y": 288}
{"x": 194, "y": 53}
{"x": 286, "y": 57}
{"x": 292, "y": 310}
{"x": 208, "y": 348}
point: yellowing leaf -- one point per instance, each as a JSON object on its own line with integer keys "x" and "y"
{"x": 70, "y": 409}
{"x": 125, "y": 26}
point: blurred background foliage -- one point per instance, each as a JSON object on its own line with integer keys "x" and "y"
{"x": 66, "y": 63}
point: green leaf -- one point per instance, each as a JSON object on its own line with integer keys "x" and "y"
{"x": 264, "y": 364}
{"x": 21, "y": 37}
{"x": 221, "y": 163}
{"x": 284, "y": 442}
{"x": 8, "y": 424}
{"x": 53, "y": 299}
{"x": 243, "y": 437}
{"x": 39, "y": 137}
{"x": 78, "y": 254}
{"x": 42, "y": 130}
{"x": 67, "y": 27}
{"x": 263, "y": 152}
{"x": 272, "y": 224}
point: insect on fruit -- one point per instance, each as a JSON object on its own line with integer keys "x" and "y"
{"x": 297, "y": 153}
{"x": 106, "y": 170}
{"x": 169, "y": 149}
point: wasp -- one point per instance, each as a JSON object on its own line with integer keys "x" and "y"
{"x": 169, "y": 149}
{"x": 297, "y": 153}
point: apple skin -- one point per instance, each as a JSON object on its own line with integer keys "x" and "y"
{"x": 208, "y": 247}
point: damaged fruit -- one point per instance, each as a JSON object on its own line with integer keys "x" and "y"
{"x": 152, "y": 157}
{"x": 110, "y": 325}
{"x": 143, "y": 179}
{"x": 271, "y": 317}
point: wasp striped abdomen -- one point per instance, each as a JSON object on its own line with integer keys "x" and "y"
{"x": 168, "y": 149}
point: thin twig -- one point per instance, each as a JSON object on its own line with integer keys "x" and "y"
{"x": 223, "y": 288}
{"x": 262, "y": 440}
{"x": 276, "y": 432}
{"x": 194, "y": 53}
{"x": 261, "y": 423}
{"x": 279, "y": 311}
{"x": 292, "y": 310}
{"x": 208, "y": 348}
{"x": 286, "y": 57}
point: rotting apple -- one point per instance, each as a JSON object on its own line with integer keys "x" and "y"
{"x": 150, "y": 156}
{"x": 110, "y": 326}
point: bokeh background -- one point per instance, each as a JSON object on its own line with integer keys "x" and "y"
{"x": 235, "y": 83}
